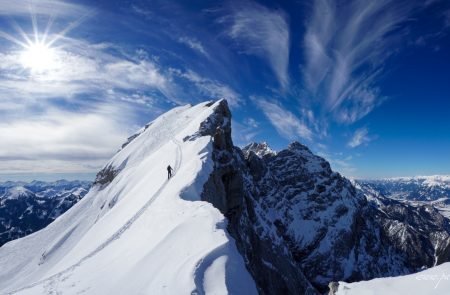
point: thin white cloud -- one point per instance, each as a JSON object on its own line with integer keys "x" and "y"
{"x": 361, "y": 136}
{"x": 41, "y": 7}
{"x": 244, "y": 133}
{"x": 345, "y": 46}
{"x": 285, "y": 122}
{"x": 193, "y": 44}
{"x": 212, "y": 88}
{"x": 142, "y": 11}
{"x": 72, "y": 142}
{"x": 447, "y": 19}
{"x": 431, "y": 2}
{"x": 339, "y": 163}
{"x": 250, "y": 122}
{"x": 343, "y": 166}
{"x": 263, "y": 32}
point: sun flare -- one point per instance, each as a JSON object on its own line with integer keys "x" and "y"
{"x": 39, "y": 57}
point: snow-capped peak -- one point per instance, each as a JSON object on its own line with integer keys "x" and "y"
{"x": 16, "y": 192}
{"x": 260, "y": 149}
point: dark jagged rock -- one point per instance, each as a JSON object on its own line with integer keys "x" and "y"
{"x": 420, "y": 232}
{"x": 333, "y": 286}
{"x": 105, "y": 176}
{"x": 224, "y": 186}
{"x": 301, "y": 226}
{"x": 260, "y": 149}
{"x": 272, "y": 268}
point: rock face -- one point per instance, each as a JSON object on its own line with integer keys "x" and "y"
{"x": 105, "y": 176}
{"x": 419, "y": 231}
{"x": 29, "y": 207}
{"x": 300, "y": 226}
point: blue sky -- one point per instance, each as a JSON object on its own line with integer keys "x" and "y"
{"x": 365, "y": 84}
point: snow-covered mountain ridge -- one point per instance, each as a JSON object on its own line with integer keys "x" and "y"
{"x": 29, "y": 207}
{"x": 229, "y": 221}
{"x": 136, "y": 232}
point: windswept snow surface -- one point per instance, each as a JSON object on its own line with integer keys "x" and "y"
{"x": 432, "y": 281}
{"x": 139, "y": 234}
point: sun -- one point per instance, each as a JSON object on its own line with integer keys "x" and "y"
{"x": 38, "y": 57}
{"x": 37, "y": 52}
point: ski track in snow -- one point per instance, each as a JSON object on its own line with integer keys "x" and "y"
{"x": 51, "y": 282}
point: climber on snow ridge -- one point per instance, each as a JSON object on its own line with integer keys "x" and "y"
{"x": 169, "y": 172}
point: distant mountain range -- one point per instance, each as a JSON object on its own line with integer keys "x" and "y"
{"x": 420, "y": 190}
{"x": 29, "y": 207}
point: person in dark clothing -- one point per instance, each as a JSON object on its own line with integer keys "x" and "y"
{"x": 169, "y": 172}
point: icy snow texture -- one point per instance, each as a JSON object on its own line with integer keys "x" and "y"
{"x": 432, "y": 281}
{"x": 136, "y": 235}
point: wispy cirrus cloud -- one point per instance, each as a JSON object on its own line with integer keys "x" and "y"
{"x": 343, "y": 165}
{"x": 285, "y": 122}
{"x": 245, "y": 131}
{"x": 263, "y": 32}
{"x": 345, "y": 47}
{"x": 339, "y": 161}
{"x": 77, "y": 66}
{"x": 211, "y": 88}
{"x": 41, "y": 7}
{"x": 361, "y": 136}
{"x": 251, "y": 122}
{"x": 193, "y": 44}
{"x": 447, "y": 18}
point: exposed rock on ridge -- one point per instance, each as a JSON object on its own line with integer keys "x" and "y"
{"x": 300, "y": 226}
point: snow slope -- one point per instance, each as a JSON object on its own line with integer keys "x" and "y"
{"x": 434, "y": 281}
{"x": 141, "y": 233}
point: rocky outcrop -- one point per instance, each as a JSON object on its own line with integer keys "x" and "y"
{"x": 107, "y": 175}
{"x": 227, "y": 189}
{"x": 419, "y": 232}
{"x": 333, "y": 286}
{"x": 300, "y": 226}
{"x": 224, "y": 187}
